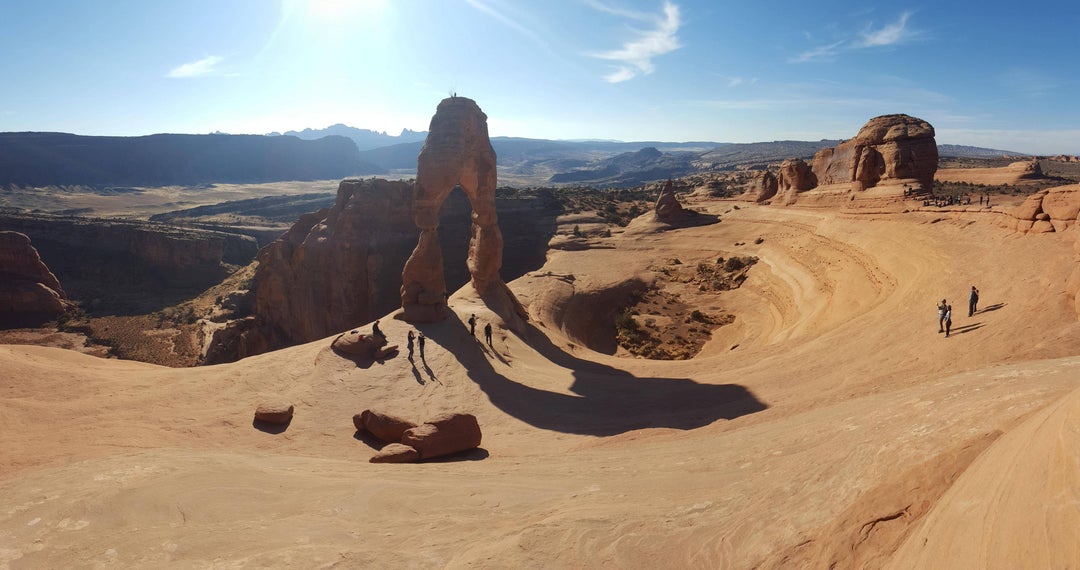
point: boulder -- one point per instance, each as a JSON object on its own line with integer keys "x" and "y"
{"x": 396, "y": 453}
{"x": 29, "y": 293}
{"x": 274, "y": 413}
{"x": 356, "y": 343}
{"x": 386, "y": 427}
{"x": 889, "y": 147}
{"x": 446, "y": 434}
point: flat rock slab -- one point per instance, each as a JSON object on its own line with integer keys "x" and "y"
{"x": 396, "y": 453}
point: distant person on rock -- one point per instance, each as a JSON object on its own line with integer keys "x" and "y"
{"x": 375, "y": 329}
{"x": 420, "y": 341}
{"x": 948, "y": 320}
{"x": 472, "y": 325}
{"x": 487, "y": 333}
{"x": 973, "y": 301}
{"x": 409, "y": 343}
{"x": 942, "y": 306}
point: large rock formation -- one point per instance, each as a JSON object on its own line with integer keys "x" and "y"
{"x": 118, "y": 266}
{"x": 29, "y": 293}
{"x": 330, "y": 270}
{"x": 1015, "y": 173}
{"x": 1053, "y": 209}
{"x": 896, "y": 148}
{"x": 457, "y": 152}
{"x": 794, "y": 176}
{"x": 762, "y": 187}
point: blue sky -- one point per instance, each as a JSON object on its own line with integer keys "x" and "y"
{"x": 995, "y": 74}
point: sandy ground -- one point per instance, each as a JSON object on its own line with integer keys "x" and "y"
{"x": 830, "y": 425}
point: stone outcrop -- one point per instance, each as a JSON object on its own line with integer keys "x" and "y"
{"x": 668, "y": 209}
{"x": 888, "y": 148}
{"x": 1015, "y": 173}
{"x": 104, "y": 263}
{"x": 762, "y": 187}
{"x": 446, "y": 434}
{"x": 457, "y": 152}
{"x": 1050, "y": 210}
{"x": 277, "y": 413}
{"x": 29, "y": 293}
{"x": 386, "y": 427}
{"x": 794, "y": 176}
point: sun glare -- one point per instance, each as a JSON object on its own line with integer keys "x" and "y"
{"x": 332, "y": 9}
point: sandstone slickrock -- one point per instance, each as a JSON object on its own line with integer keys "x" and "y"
{"x": 457, "y": 152}
{"x": 357, "y": 343}
{"x": 1049, "y": 210}
{"x": 395, "y": 453}
{"x": 889, "y": 147}
{"x": 387, "y": 427}
{"x": 29, "y": 293}
{"x": 446, "y": 434}
{"x": 274, "y": 413}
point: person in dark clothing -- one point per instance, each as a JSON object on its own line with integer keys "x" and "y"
{"x": 420, "y": 341}
{"x": 487, "y": 333}
{"x": 973, "y": 301}
{"x": 948, "y": 320}
{"x": 409, "y": 343}
{"x": 375, "y": 329}
{"x": 472, "y": 325}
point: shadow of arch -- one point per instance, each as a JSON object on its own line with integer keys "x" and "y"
{"x": 608, "y": 401}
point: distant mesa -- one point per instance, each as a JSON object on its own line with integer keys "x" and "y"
{"x": 29, "y": 293}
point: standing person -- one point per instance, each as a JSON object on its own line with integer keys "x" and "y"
{"x": 375, "y": 329}
{"x": 409, "y": 343}
{"x": 941, "y": 315}
{"x": 948, "y": 320}
{"x": 973, "y": 301}
{"x": 472, "y": 324}
{"x": 420, "y": 341}
{"x": 487, "y": 333}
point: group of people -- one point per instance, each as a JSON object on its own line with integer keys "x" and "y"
{"x": 945, "y": 311}
{"x": 472, "y": 329}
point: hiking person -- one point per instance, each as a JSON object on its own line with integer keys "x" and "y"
{"x": 941, "y": 315}
{"x": 948, "y": 320}
{"x": 420, "y": 341}
{"x": 409, "y": 343}
{"x": 487, "y": 333}
{"x": 973, "y": 301}
{"x": 472, "y": 324}
{"x": 375, "y": 329}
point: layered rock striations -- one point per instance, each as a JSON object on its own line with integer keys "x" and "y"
{"x": 1053, "y": 209}
{"x": 457, "y": 152}
{"x": 889, "y": 147}
{"x": 29, "y": 293}
{"x": 111, "y": 265}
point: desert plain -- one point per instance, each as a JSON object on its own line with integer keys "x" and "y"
{"x": 829, "y": 425}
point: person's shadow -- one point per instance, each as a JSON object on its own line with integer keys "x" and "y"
{"x": 993, "y": 307}
{"x": 608, "y": 400}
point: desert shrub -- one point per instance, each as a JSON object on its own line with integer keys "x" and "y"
{"x": 699, "y": 316}
{"x": 577, "y": 231}
{"x": 734, "y": 264}
{"x": 625, "y": 321}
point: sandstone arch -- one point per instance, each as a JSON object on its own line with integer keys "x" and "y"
{"x": 457, "y": 152}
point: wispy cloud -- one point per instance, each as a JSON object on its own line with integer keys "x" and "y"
{"x": 203, "y": 66}
{"x": 635, "y": 56}
{"x": 505, "y": 19}
{"x": 888, "y": 35}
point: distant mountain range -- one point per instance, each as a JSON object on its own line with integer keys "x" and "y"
{"x": 54, "y": 159}
{"x": 365, "y": 139}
